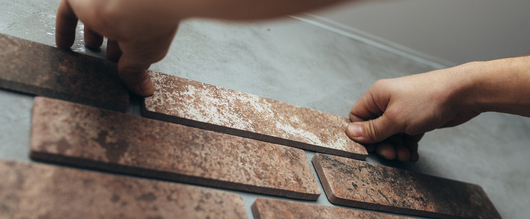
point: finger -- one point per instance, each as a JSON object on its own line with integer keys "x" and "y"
{"x": 411, "y": 142}
{"x": 370, "y": 147}
{"x": 113, "y": 50}
{"x": 92, "y": 39}
{"x": 137, "y": 56}
{"x": 403, "y": 153}
{"x": 365, "y": 109}
{"x": 135, "y": 76}
{"x": 65, "y": 25}
{"x": 414, "y": 157}
{"x": 372, "y": 131}
{"x": 386, "y": 150}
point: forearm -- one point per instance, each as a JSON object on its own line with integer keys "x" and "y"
{"x": 247, "y": 10}
{"x": 500, "y": 85}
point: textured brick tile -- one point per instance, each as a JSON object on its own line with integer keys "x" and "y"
{"x": 86, "y": 136}
{"x": 219, "y": 109}
{"x": 39, "y": 69}
{"x": 270, "y": 208}
{"x": 361, "y": 184}
{"x": 45, "y": 191}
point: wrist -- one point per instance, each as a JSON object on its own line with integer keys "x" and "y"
{"x": 497, "y": 85}
{"x": 468, "y": 83}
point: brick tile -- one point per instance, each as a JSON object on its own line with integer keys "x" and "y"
{"x": 219, "y": 109}
{"x": 86, "y": 136}
{"x": 361, "y": 184}
{"x": 38, "y": 69}
{"x": 264, "y": 208}
{"x": 46, "y": 191}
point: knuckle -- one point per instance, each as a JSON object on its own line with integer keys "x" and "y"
{"x": 392, "y": 115}
{"x": 373, "y": 131}
{"x": 381, "y": 83}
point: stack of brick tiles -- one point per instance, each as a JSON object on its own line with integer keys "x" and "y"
{"x": 209, "y": 136}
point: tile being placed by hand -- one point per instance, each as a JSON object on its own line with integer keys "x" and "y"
{"x": 38, "y": 69}
{"x": 45, "y": 191}
{"x": 364, "y": 185}
{"x": 86, "y": 136}
{"x": 264, "y": 208}
{"x": 223, "y": 110}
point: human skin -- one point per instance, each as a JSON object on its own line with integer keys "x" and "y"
{"x": 394, "y": 114}
{"x": 140, "y": 31}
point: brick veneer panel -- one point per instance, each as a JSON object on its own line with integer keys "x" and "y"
{"x": 46, "y": 191}
{"x": 86, "y": 136}
{"x": 264, "y": 208}
{"x": 219, "y": 109}
{"x": 361, "y": 184}
{"x": 38, "y": 69}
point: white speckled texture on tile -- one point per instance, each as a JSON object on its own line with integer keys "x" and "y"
{"x": 224, "y": 110}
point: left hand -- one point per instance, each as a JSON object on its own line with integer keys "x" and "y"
{"x": 394, "y": 114}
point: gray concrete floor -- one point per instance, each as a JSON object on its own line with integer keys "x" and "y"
{"x": 300, "y": 63}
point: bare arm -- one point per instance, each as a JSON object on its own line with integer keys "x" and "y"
{"x": 251, "y": 10}
{"x": 394, "y": 113}
{"x": 501, "y": 86}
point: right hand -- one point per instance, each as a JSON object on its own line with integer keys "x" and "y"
{"x": 139, "y": 33}
{"x": 394, "y": 114}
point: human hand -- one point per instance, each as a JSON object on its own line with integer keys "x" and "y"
{"x": 393, "y": 115}
{"x": 136, "y": 38}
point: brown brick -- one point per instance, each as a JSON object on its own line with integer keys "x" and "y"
{"x": 364, "y": 185}
{"x": 219, "y": 109}
{"x": 38, "y": 69}
{"x": 86, "y": 136}
{"x": 46, "y": 191}
{"x": 264, "y": 208}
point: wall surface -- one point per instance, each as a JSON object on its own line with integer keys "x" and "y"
{"x": 454, "y": 30}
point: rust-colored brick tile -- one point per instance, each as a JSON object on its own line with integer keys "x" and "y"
{"x": 264, "y": 208}
{"x": 45, "y": 191}
{"x": 364, "y": 185}
{"x": 223, "y": 110}
{"x": 86, "y": 136}
{"x": 38, "y": 69}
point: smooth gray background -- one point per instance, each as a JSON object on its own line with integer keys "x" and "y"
{"x": 455, "y": 30}
{"x": 301, "y": 61}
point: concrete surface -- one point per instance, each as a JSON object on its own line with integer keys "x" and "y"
{"x": 454, "y": 30}
{"x": 307, "y": 65}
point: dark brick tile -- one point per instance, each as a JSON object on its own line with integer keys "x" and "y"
{"x": 38, "y": 69}
{"x": 46, "y": 191}
{"x": 219, "y": 109}
{"x": 364, "y": 185}
{"x": 86, "y": 136}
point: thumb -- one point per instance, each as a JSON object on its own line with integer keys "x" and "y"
{"x": 135, "y": 77}
{"x": 372, "y": 131}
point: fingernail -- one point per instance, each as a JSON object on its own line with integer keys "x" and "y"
{"x": 355, "y": 130}
{"x": 146, "y": 88}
